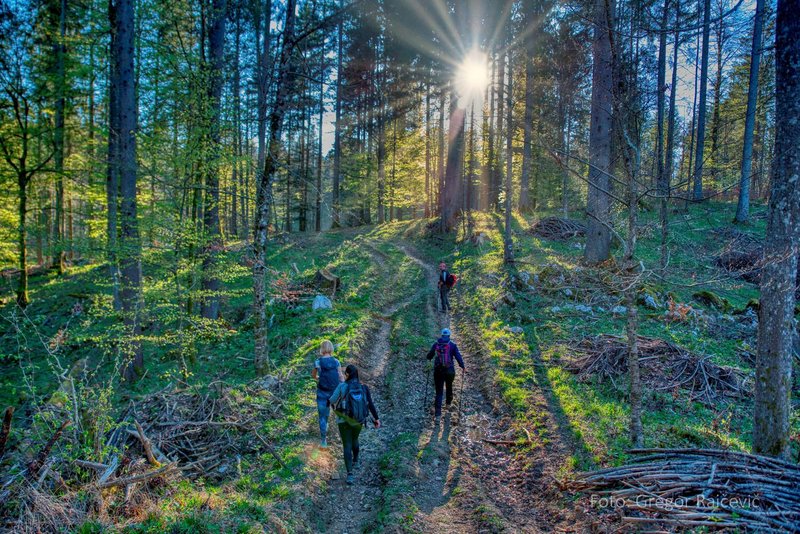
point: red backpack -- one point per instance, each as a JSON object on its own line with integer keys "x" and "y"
{"x": 451, "y": 280}
{"x": 443, "y": 357}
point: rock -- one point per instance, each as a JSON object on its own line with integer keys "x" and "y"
{"x": 525, "y": 277}
{"x": 619, "y": 310}
{"x": 567, "y": 292}
{"x": 321, "y": 302}
{"x": 555, "y": 309}
{"x": 515, "y": 329}
{"x": 650, "y": 302}
{"x": 583, "y": 308}
{"x": 509, "y": 299}
{"x": 268, "y": 382}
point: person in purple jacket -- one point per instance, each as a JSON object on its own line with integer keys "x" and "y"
{"x": 444, "y": 354}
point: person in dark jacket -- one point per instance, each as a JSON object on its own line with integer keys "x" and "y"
{"x": 446, "y": 282}
{"x": 444, "y": 354}
{"x": 328, "y": 374}
{"x": 348, "y": 428}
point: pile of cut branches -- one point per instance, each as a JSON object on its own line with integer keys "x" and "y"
{"x": 689, "y": 488}
{"x": 665, "y": 367}
{"x": 168, "y": 435}
{"x": 558, "y": 228}
{"x": 208, "y": 433}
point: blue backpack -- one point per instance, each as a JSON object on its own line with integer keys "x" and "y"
{"x": 328, "y": 374}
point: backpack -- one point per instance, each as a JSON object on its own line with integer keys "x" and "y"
{"x": 451, "y": 280}
{"x": 328, "y": 374}
{"x": 354, "y": 403}
{"x": 443, "y": 357}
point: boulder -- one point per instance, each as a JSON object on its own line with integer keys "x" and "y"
{"x": 321, "y": 302}
{"x": 619, "y": 310}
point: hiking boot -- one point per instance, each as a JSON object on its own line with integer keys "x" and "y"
{"x": 356, "y": 464}
{"x": 350, "y": 479}
{"x": 323, "y": 444}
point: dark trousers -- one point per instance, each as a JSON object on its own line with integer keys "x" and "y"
{"x": 444, "y": 302}
{"x": 349, "y": 434}
{"x": 442, "y": 377}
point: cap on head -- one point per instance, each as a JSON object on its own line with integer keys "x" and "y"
{"x": 445, "y": 332}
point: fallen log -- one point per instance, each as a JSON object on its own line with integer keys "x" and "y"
{"x": 36, "y": 464}
{"x": 125, "y": 481}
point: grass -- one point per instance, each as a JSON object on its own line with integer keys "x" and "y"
{"x": 528, "y": 369}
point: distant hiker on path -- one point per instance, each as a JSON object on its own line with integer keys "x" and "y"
{"x": 328, "y": 374}
{"x": 444, "y": 354}
{"x": 352, "y": 403}
{"x": 446, "y": 282}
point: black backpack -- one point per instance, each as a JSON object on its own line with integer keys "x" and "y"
{"x": 354, "y": 403}
{"x": 328, "y": 374}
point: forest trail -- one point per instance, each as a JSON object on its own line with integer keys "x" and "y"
{"x": 458, "y": 481}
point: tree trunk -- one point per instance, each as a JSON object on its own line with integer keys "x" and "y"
{"x": 661, "y": 176}
{"x": 263, "y": 68}
{"x": 669, "y": 156}
{"x": 237, "y": 126}
{"x": 337, "y": 135}
{"x": 743, "y": 206}
{"x": 776, "y": 325}
{"x": 129, "y": 243}
{"x": 213, "y": 238}
{"x": 440, "y": 162}
{"x": 22, "y": 288}
{"x": 427, "y": 150}
{"x": 285, "y": 77}
{"x": 451, "y": 199}
{"x": 508, "y": 245}
{"x": 697, "y": 194}
{"x": 496, "y": 169}
{"x": 59, "y": 257}
{"x": 598, "y": 234}
{"x": 527, "y": 124}
{"x": 318, "y": 196}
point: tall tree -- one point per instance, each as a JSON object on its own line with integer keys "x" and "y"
{"x": 213, "y": 237}
{"x": 18, "y": 133}
{"x": 283, "y": 84}
{"x": 121, "y": 16}
{"x": 337, "y": 132}
{"x": 527, "y": 151}
{"x": 699, "y": 158}
{"x": 743, "y": 206}
{"x": 598, "y": 234}
{"x": 59, "y": 51}
{"x": 776, "y": 325}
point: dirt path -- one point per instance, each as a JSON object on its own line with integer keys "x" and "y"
{"x": 460, "y": 482}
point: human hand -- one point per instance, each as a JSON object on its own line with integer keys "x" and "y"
{"x": 377, "y": 423}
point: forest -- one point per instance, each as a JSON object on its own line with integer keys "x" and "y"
{"x": 224, "y": 223}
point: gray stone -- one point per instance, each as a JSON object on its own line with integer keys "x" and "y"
{"x": 321, "y": 302}
{"x": 650, "y": 302}
{"x": 567, "y": 292}
{"x": 525, "y": 277}
{"x": 619, "y": 310}
{"x": 583, "y": 308}
{"x": 515, "y": 329}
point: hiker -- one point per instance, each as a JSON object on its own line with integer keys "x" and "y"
{"x": 352, "y": 403}
{"x": 444, "y": 354}
{"x": 328, "y": 374}
{"x": 446, "y": 282}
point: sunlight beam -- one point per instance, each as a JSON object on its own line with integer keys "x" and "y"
{"x": 472, "y": 77}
